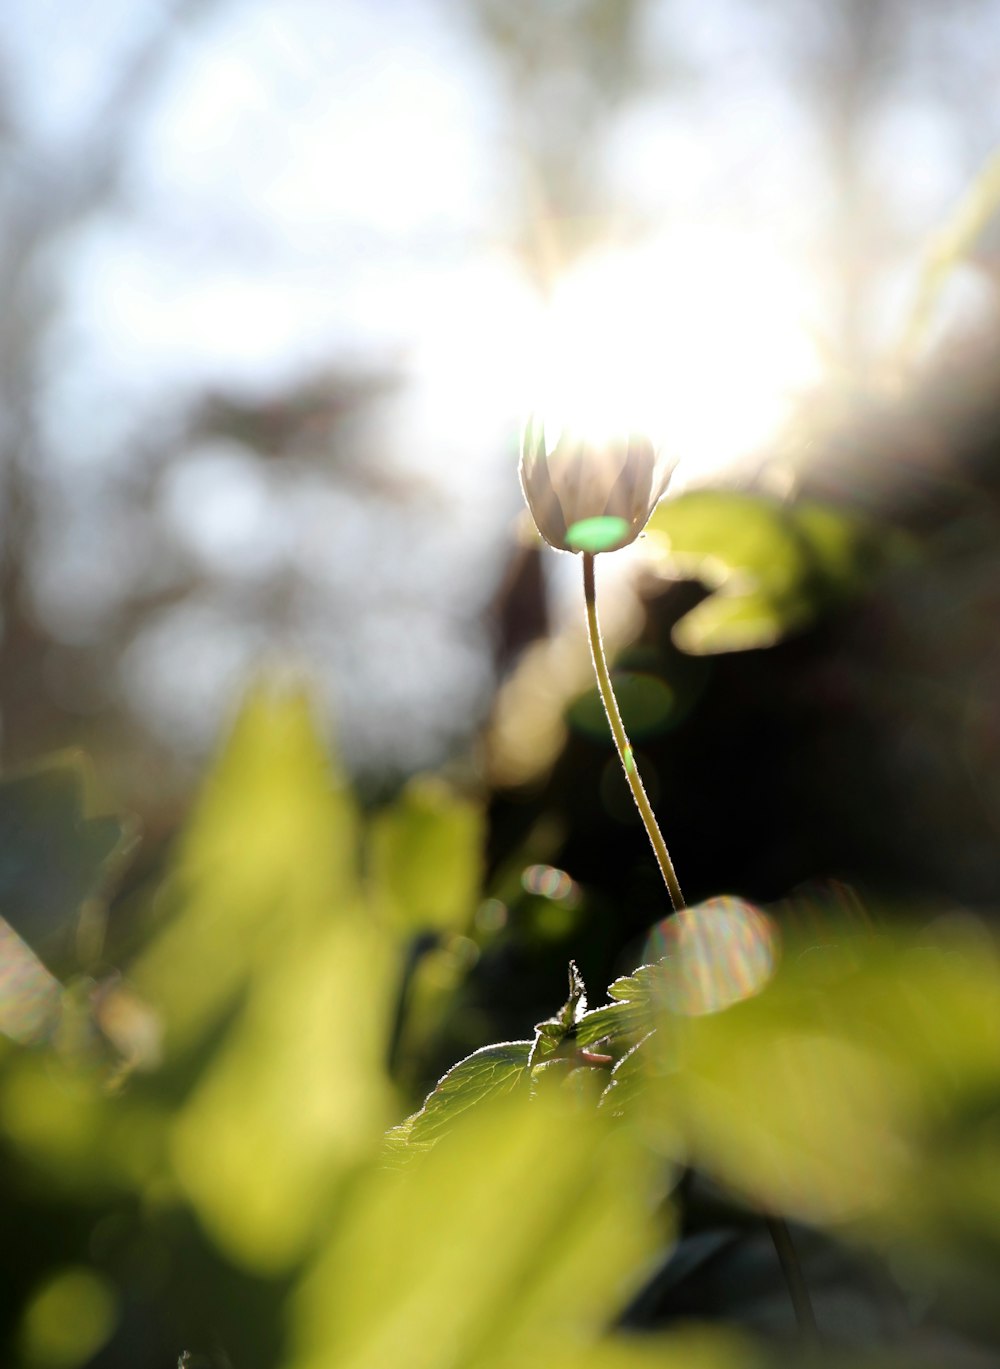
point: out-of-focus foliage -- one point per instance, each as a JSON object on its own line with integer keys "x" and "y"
{"x": 859, "y": 1092}
{"x": 246, "y": 1191}
{"x": 270, "y": 955}
{"x": 424, "y": 856}
{"x": 521, "y": 1231}
{"x": 823, "y": 1096}
{"x": 250, "y": 1154}
{"x": 774, "y": 567}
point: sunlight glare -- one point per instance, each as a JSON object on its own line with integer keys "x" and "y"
{"x": 696, "y": 338}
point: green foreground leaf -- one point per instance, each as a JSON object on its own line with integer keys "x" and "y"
{"x": 520, "y": 1234}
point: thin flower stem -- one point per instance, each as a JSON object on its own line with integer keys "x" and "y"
{"x": 622, "y": 743}
{"x": 780, "y": 1235}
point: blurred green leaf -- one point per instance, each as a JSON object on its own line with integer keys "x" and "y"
{"x": 515, "y": 1238}
{"x": 269, "y": 859}
{"x": 773, "y": 567}
{"x": 70, "y": 1134}
{"x": 271, "y": 946}
{"x": 295, "y": 1097}
{"x": 425, "y": 857}
{"x": 818, "y": 1096}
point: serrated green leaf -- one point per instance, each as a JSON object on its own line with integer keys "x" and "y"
{"x": 612, "y": 1023}
{"x": 640, "y": 987}
{"x": 630, "y": 1075}
{"x": 630, "y": 1015}
{"x": 489, "y": 1072}
{"x": 550, "y": 1034}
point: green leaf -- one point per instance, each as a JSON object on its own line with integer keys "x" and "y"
{"x": 268, "y": 859}
{"x": 489, "y": 1072}
{"x": 275, "y": 988}
{"x": 639, "y": 987}
{"x": 631, "y": 1014}
{"x": 823, "y": 1095}
{"x": 613, "y": 1023}
{"x": 773, "y": 567}
{"x": 425, "y": 857}
{"x": 630, "y": 1075}
{"x": 550, "y": 1034}
{"x": 515, "y": 1240}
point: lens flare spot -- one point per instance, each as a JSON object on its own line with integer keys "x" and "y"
{"x": 597, "y": 534}
{"x": 491, "y": 916}
{"x": 714, "y": 955}
{"x": 546, "y": 881}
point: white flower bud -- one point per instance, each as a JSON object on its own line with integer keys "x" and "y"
{"x": 588, "y": 495}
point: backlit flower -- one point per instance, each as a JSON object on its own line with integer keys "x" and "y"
{"x": 588, "y": 495}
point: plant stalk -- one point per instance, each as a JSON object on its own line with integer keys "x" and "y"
{"x": 622, "y": 743}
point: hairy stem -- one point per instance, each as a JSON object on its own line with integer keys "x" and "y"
{"x": 622, "y": 743}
